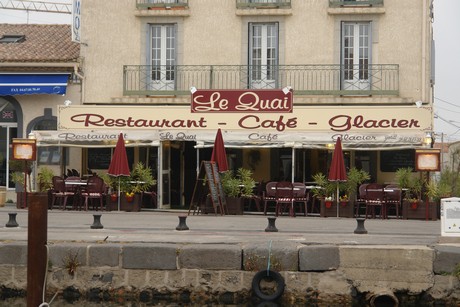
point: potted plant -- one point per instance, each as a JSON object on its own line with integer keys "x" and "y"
{"x": 45, "y": 179}
{"x": 140, "y": 180}
{"x": 237, "y": 187}
{"x": 355, "y": 177}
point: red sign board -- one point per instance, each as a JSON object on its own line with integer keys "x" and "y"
{"x": 245, "y": 101}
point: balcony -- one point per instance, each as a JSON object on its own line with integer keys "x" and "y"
{"x": 240, "y": 4}
{"x": 304, "y": 79}
{"x": 161, "y": 4}
{"x": 345, "y": 3}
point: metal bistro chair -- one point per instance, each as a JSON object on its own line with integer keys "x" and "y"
{"x": 94, "y": 190}
{"x": 284, "y": 197}
{"x": 393, "y": 198}
{"x": 60, "y": 192}
{"x": 301, "y": 196}
{"x": 268, "y": 196}
{"x": 375, "y": 198}
{"x": 360, "y": 198}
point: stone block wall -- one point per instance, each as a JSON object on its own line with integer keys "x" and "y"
{"x": 224, "y": 272}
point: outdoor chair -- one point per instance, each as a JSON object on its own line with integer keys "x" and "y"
{"x": 360, "y": 198}
{"x": 268, "y": 196}
{"x": 393, "y": 198}
{"x": 375, "y": 198}
{"x": 284, "y": 196}
{"x": 301, "y": 196}
{"x": 95, "y": 189}
{"x": 60, "y": 192}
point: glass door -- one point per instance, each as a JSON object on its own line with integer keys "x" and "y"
{"x": 263, "y": 55}
{"x": 163, "y": 57}
{"x": 356, "y": 45}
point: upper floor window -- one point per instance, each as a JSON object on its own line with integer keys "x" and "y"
{"x": 356, "y": 55}
{"x": 163, "y": 56}
{"x": 263, "y": 54}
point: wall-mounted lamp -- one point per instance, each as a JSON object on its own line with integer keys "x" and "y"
{"x": 330, "y": 146}
{"x": 287, "y": 89}
{"x": 428, "y": 139}
{"x": 31, "y": 136}
{"x": 67, "y": 103}
{"x": 418, "y": 103}
{"x": 193, "y": 90}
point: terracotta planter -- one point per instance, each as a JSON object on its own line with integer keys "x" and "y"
{"x": 420, "y": 210}
{"x": 125, "y": 205}
{"x": 113, "y": 197}
{"x": 329, "y": 209}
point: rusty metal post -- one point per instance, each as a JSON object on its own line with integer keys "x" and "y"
{"x": 36, "y": 247}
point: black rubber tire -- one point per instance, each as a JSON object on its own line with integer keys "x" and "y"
{"x": 268, "y": 275}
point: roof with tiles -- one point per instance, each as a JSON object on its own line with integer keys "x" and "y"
{"x": 42, "y": 44}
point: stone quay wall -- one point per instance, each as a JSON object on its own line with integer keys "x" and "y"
{"x": 199, "y": 273}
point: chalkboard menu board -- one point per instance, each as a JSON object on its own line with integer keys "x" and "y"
{"x": 99, "y": 158}
{"x": 391, "y": 160}
{"x": 208, "y": 182}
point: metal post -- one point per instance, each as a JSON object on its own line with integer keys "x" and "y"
{"x": 97, "y": 222}
{"x": 360, "y": 229}
{"x": 182, "y": 224}
{"x": 271, "y": 225}
{"x": 12, "y": 220}
{"x": 36, "y": 247}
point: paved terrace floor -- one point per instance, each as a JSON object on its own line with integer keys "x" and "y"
{"x": 160, "y": 226}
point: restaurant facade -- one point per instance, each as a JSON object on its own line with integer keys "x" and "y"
{"x": 288, "y": 79}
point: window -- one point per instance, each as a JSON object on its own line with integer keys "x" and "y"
{"x": 163, "y": 56}
{"x": 12, "y": 38}
{"x": 356, "y": 52}
{"x": 263, "y": 55}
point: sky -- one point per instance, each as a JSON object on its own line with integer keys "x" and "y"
{"x": 446, "y": 27}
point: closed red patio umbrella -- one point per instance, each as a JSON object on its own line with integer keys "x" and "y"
{"x": 337, "y": 170}
{"x": 218, "y": 152}
{"x": 119, "y": 164}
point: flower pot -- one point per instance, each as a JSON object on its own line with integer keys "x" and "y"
{"x": 328, "y": 204}
{"x": 113, "y": 197}
{"x": 414, "y": 205}
{"x": 343, "y": 203}
{"x": 420, "y": 210}
{"x": 129, "y": 198}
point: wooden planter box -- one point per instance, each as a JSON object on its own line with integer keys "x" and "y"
{"x": 420, "y": 211}
{"x": 329, "y": 209}
{"x": 235, "y": 206}
{"x": 125, "y": 205}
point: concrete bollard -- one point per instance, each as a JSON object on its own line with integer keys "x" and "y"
{"x": 97, "y": 222}
{"x": 271, "y": 225}
{"x": 182, "y": 223}
{"x": 12, "y": 220}
{"x": 360, "y": 228}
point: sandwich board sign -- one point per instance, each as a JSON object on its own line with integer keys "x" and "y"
{"x": 450, "y": 217}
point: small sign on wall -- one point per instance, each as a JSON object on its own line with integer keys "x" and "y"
{"x": 450, "y": 217}
{"x": 427, "y": 160}
{"x": 24, "y": 149}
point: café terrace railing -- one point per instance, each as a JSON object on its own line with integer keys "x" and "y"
{"x": 304, "y": 79}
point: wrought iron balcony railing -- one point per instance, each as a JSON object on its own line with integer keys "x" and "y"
{"x": 146, "y": 4}
{"x": 338, "y": 3}
{"x": 263, "y": 3}
{"x": 304, "y": 79}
